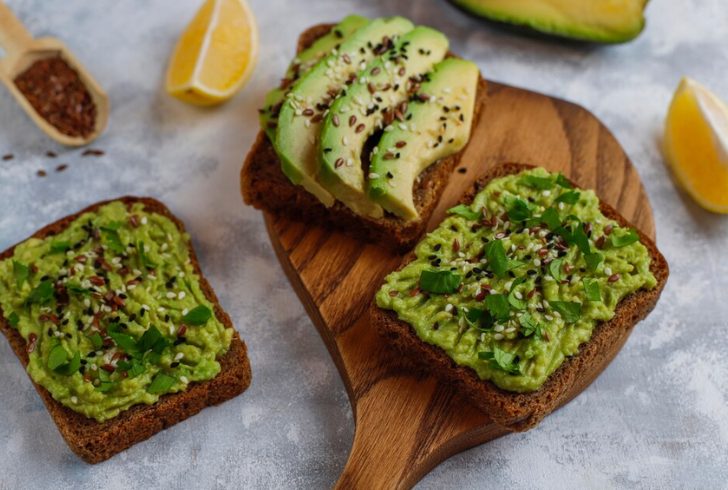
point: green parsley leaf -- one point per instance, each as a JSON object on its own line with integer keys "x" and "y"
{"x": 96, "y": 340}
{"x": 75, "y": 288}
{"x": 145, "y": 261}
{"x": 563, "y": 181}
{"x": 497, "y": 305}
{"x": 593, "y": 260}
{"x": 540, "y": 183}
{"x": 519, "y": 211}
{"x": 112, "y": 226}
{"x": 152, "y": 340}
{"x": 591, "y": 289}
{"x": 125, "y": 342}
{"x": 480, "y": 319}
{"x": 439, "y": 282}
{"x": 570, "y": 310}
{"x": 13, "y": 319}
{"x": 133, "y": 367}
{"x": 161, "y": 384}
{"x": 112, "y": 239}
{"x": 57, "y": 357}
{"x": 72, "y": 366}
{"x": 42, "y": 294}
{"x": 503, "y": 360}
{"x": 551, "y": 218}
{"x": 555, "y": 269}
{"x": 619, "y": 241}
{"x": 516, "y": 303}
{"x": 465, "y": 211}
{"x": 496, "y": 256}
{"x": 530, "y": 326}
{"x": 60, "y": 246}
{"x": 105, "y": 386}
{"x": 21, "y": 273}
{"x": 571, "y": 197}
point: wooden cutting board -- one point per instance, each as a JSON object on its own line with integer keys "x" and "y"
{"x": 407, "y": 423}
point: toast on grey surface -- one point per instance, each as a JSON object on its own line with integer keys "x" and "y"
{"x": 521, "y": 411}
{"x": 97, "y": 441}
{"x": 264, "y": 186}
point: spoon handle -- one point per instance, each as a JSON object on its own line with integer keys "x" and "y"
{"x": 14, "y": 38}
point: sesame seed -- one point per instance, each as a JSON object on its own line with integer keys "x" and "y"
{"x": 184, "y": 379}
{"x": 373, "y": 175}
{"x": 608, "y": 271}
{"x": 178, "y": 356}
{"x": 144, "y": 220}
{"x": 171, "y": 295}
{"x": 448, "y": 307}
{"x": 498, "y": 336}
{"x": 181, "y": 295}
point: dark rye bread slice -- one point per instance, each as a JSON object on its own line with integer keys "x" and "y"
{"x": 265, "y": 186}
{"x": 95, "y": 442}
{"x": 521, "y": 411}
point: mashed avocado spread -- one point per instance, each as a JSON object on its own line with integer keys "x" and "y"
{"x": 515, "y": 282}
{"x": 112, "y": 311}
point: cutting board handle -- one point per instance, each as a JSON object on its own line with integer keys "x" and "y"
{"x": 14, "y": 37}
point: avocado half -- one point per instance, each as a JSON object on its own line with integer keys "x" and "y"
{"x": 603, "y": 21}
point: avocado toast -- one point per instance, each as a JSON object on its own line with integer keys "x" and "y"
{"x": 120, "y": 332}
{"x": 374, "y": 121}
{"x": 522, "y": 305}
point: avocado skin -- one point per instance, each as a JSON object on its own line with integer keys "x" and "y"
{"x": 521, "y": 23}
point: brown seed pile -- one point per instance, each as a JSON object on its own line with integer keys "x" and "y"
{"x": 58, "y": 95}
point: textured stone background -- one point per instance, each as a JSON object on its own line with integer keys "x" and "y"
{"x": 657, "y": 418}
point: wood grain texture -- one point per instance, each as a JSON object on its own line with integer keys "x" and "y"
{"x": 407, "y": 423}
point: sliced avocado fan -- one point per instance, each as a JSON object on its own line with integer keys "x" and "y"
{"x": 371, "y": 103}
{"x": 300, "y": 117}
{"x": 607, "y": 21}
{"x": 436, "y": 124}
{"x": 302, "y": 64}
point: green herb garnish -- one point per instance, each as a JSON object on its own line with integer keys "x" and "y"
{"x": 530, "y": 326}
{"x": 112, "y": 239}
{"x": 439, "y": 282}
{"x": 96, "y": 340}
{"x": 516, "y": 303}
{"x": 563, "y": 181}
{"x": 496, "y": 256}
{"x": 161, "y": 384}
{"x": 59, "y": 246}
{"x": 519, "y": 211}
{"x": 593, "y": 260}
{"x": 497, "y": 305}
{"x": 570, "y": 197}
{"x": 13, "y": 319}
{"x": 75, "y": 288}
{"x": 57, "y": 357}
{"x": 551, "y": 218}
{"x": 464, "y": 211}
{"x": 591, "y": 289}
{"x": 125, "y": 342}
{"x": 555, "y": 269}
{"x": 503, "y": 360}
{"x": 629, "y": 238}
{"x": 152, "y": 340}
{"x": 570, "y": 311}
{"x": 21, "y": 272}
{"x": 540, "y": 183}
{"x": 146, "y": 262}
{"x": 480, "y": 319}
{"x": 42, "y": 294}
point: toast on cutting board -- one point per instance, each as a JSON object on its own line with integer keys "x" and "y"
{"x": 93, "y": 440}
{"x": 522, "y": 409}
{"x": 266, "y": 186}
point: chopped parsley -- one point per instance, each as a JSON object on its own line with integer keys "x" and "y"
{"x": 439, "y": 282}
{"x": 570, "y": 311}
{"x": 465, "y": 211}
{"x": 501, "y": 359}
{"x": 198, "y": 315}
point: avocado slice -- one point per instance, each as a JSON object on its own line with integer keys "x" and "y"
{"x": 303, "y": 110}
{"x": 303, "y": 62}
{"x": 606, "y": 21}
{"x": 436, "y": 125}
{"x": 370, "y": 104}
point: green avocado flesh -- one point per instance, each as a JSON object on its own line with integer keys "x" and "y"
{"x": 380, "y": 89}
{"x": 608, "y": 21}
{"x": 434, "y": 126}
{"x": 300, "y": 117}
{"x": 302, "y": 64}
{"x": 514, "y": 283}
{"x": 112, "y": 311}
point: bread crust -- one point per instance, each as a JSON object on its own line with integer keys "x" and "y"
{"x": 264, "y": 186}
{"x": 96, "y": 441}
{"x": 522, "y": 411}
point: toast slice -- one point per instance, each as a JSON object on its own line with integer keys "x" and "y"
{"x": 521, "y": 411}
{"x": 264, "y": 186}
{"x": 94, "y": 441}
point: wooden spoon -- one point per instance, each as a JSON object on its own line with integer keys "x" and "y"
{"x": 21, "y": 51}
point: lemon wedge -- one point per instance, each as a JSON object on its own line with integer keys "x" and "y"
{"x": 215, "y": 55}
{"x": 696, "y": 144}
